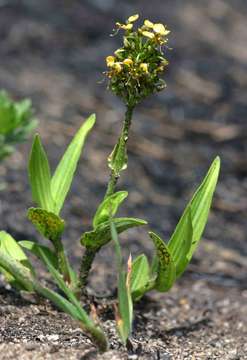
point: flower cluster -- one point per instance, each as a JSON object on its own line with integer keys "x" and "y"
{"x": 134, "y": 70}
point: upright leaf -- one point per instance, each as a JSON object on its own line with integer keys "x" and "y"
{"x": 139, "y": 279}
{"x": 118, "y": 159}
{"x": 99, "y": 237}
{"x": 124, "y": 312}
{"x": 109, "y": 207}
{"x": 184, "y": 243}
{"x": 63, "y": 176}
{"x": 194, "y": 218}
{"x": 40, "y": 177}
{"x": 166, "y": 270}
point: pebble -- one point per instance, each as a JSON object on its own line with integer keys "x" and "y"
{"x": 54, "y": 337}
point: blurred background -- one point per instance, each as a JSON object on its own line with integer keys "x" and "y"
{"x": 53, "y": 51}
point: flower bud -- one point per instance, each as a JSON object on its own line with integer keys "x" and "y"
{"x": 148, "y": 24}
{"x": 124, "y": 26}
{"x": 133, "y": 18}
{"x": 148, "y": 34}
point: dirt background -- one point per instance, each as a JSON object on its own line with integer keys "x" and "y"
{"x": 53, "y": 52}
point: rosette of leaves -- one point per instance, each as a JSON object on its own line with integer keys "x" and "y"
{"x": 16, "y": 122}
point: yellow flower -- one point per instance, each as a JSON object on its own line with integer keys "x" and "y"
{"x": 124, "y": 26}
{"x": 160, "y": 68}
{"x": 110, "y": 60}
{"x": 148, "y": 34}
{"x": 160, "y": 29}
{"x": 117, "y": 67}
{"x": 144, "y": 67}
{"x": 133, "y": 18}
{"x": 148, "y": 24}
{"x": 128, "y": 62}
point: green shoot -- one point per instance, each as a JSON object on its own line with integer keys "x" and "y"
{"x": 124, "y": 311}
{"x": 16, "y": 123}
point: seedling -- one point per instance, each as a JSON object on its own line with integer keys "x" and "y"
{"x": 16, "y": 123}
{"x": 134, "y": 72}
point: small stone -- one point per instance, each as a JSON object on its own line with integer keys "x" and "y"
{"x": 41, "y": 337}
{"x": 30, "y": 346}
{"x": 54, "y": 337}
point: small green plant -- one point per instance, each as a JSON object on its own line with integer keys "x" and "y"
{"x": 133, "y": 73}
{"x": 16, "y": 123}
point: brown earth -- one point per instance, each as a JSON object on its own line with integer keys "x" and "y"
{"x": 53, "y": 51}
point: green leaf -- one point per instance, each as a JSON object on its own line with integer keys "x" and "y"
{"x": 34, "y": 248}
{"x": 87, "y": 322}
{"x": 63, "y": 176}
{"x": 60, "y": 301}
{"x": 7, "y": 118}
{"x": 48, "y": 224}
{"x": 10, "y": 247}
{"x": 40, "y": 177}
{"x": 109, "y": 207}
{"x": 99, "y": 237}
{"x": 118, "y": 159}
{"x": 15, "y": 273}
{"x": 166, "y": 270}
{"x": 193, "y": 220}
{"x": 73, "y": 308}
{"x": 124, "y": 312}
{"x": 139, "y": 279}
{"x": 184, "y": 239}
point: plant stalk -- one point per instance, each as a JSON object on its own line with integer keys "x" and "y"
{"x": 90, "y": 254}
{"x": 63, "y": 263}
{"x": 86, "y": 264}
{"x": 124, "y": 136}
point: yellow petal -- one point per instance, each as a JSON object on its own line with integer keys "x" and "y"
{"x": 148, "y": 24}
{"x": 159, "y": 29}
{"x": 124, "y": 26}
{"x": 133, "y": 18}
{"x": 128, "y": 62}
{"x": 127, "y": 27}
{"x": 148, "y": 34}
{"x": 144, "y": 67}
{"x": 117, "y": 67}
{"x": 110, "y": 60}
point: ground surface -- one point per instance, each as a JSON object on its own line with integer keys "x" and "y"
{"x": 53, "y": 51}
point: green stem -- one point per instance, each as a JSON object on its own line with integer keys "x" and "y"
{"x": 90, "y": 254}
{"x": 86, "y": 264}
{"x": 124, "y": 136}
{"x": 63, "y": 263}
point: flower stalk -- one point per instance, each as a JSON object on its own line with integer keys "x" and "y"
{"x": 63, "y": 262}
{"x": 123, "y": 139}
{"x": 133, "y": 73}
{"x": 89, "y": 254}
